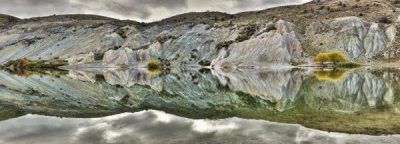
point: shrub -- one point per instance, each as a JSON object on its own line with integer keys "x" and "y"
{"x": 247, "y": 32}
{"x": 224, "y": 44}
{"x": 322, "y": 57}
{"x": 349, "y": 65}
{"x": 383, "y": 19}
{"x": 205, "y": 63}
{"x": 153, "y": 66}
{"x": 271, "y": 27}
{"x": 165, "y": 38}
{"x": 98, "y": 56}
{"x": 334, "y": 56}
{"x": 121, "y": 33}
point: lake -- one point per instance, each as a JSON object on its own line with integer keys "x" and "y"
{"x": 284, "y": 105}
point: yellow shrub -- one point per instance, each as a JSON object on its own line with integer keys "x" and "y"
{"x": 334, "y": 56}
{"x": 332, "y": 75}
{"x": 153, "y": 66}
{"x": 321, "y": 57}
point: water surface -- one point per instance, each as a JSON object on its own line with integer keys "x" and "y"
{"x": 248, "y": 106}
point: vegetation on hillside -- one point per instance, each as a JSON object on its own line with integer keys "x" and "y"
{"x": 224, "y": 44}
{"x": 164, "y": 38}
{"x": 6, "y": 19}
{"x": 246, "y": 33}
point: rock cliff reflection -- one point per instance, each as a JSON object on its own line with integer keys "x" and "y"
{"x": 351, "y": 101}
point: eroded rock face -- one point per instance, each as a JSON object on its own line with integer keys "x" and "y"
{"x": 357, "y": 38}
{"x": 274, "y": 47}
{"x": 272, "y": 43}
{"x": 197, "y": 47}
{"x": 55, "y": 41}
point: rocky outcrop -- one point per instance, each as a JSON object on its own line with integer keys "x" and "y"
{"x": 277, "y": 44}
{"x": 272, "y": 44}
{"x": 357, "y": 38}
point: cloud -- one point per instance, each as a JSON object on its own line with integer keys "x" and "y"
{"x": 141, "y": 10}
{"x": 261, "y": 4}
{"x": 137, "y": 8}
{"x": 154, "y": 127}
{"x": 31, "y": 8}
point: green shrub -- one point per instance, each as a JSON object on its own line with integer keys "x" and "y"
{"x": 205, "y": 63}
{"x": 247, "y": 32}
{"x": 165, "y": 38}
{"x": 349, "y": 65}
{"x": 121, "y": 33}
{"x": 98, "y": 56}
{"x": 224, "y": 44}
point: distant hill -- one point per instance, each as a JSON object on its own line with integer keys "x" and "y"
{"x": 6, "y": 19}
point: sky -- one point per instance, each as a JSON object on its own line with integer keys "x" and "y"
{"x": 139, "y": 10}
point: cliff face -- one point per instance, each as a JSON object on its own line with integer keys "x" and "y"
{"x": 241, "y": 40}
{"x": 358, "y": 38}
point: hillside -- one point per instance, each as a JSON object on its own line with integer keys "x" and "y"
{"x": 6, "y": 19}
{"x": 365, "y": 30}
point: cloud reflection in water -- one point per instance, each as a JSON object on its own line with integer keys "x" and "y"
{"x": 155, "y": 127}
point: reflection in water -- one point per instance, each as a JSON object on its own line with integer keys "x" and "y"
{"x": 356, "y": 101}
{"x": 330, "y": 75}
{"x": 155, "y": 127}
